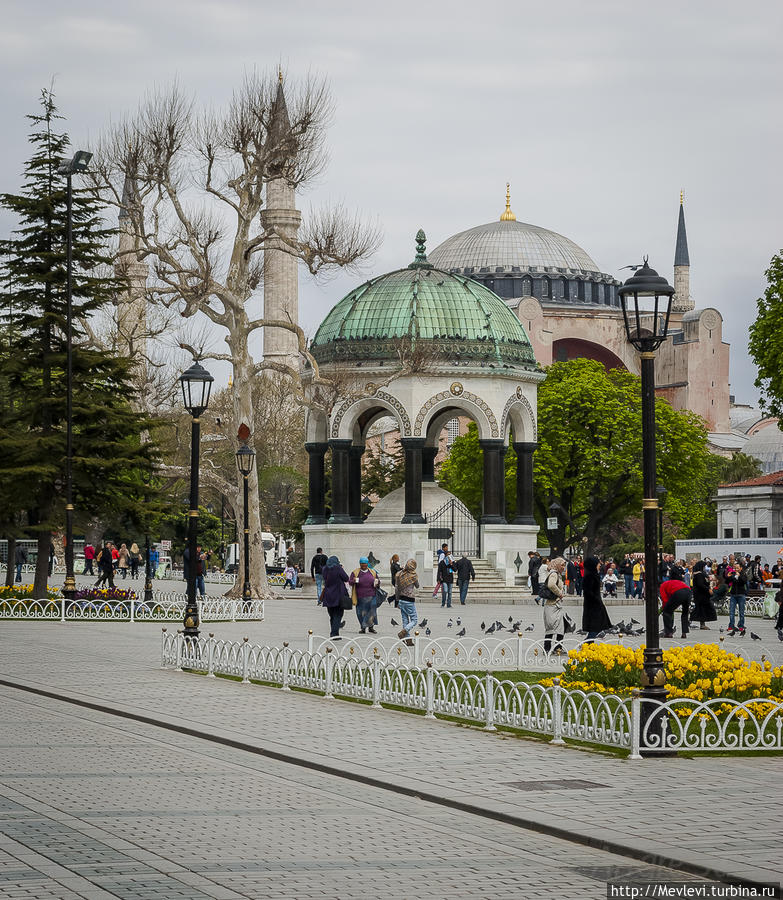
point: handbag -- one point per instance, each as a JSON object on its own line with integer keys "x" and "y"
{"x": 380, "y": 596}
{"x": 346, "y": 602}
{"x": 568, "y": 624}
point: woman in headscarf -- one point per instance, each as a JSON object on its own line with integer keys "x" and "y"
{"x": 364, "y": 582}
{"x": 551, "y": 593}
{"x": 594, "y": 615}
{"x": 405, "y": 585}
{"x": 703, "y": 610}
{"x": 335, "y": 591}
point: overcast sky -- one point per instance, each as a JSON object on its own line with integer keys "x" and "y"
{"x": 598, "y": 113}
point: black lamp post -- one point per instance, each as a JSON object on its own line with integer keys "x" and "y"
{"x": 646, "y": 299}
{"x": 196, "y": 386}
{"x": 245, "y": 457}
{"x": 78, "y": 163}
{"x": 661, "y": 491}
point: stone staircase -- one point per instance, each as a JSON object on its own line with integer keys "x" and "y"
{"x": 488, "y": 587}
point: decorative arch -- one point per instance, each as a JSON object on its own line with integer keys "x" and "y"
{"x": 518, "y": 411}
{"x": 472, "y": 405}
{"x": 317, "y": 426}
{"x": 348, "y": 415}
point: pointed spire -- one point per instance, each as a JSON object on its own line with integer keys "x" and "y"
{"x": 681, "y": 257}
{"x": 508, "y": 216}
{"x": 421, "y": 261}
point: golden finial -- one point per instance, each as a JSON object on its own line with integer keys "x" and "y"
{"x": 280, "y": 73}
{"x": 231, "y": 381}
{"x": 682, "y": 197}
{"x": 508, "y": 216}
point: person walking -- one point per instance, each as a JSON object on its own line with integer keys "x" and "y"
{"x": 89, "y": 559}
{"x": 405, "y": 593}
{"x": 738, "y": 587}
{"x": 52, "y": 559}
{"x": 20, "y": 559}
{"x": 335, "y": 595}
{"x": 201, "y": 568}
{"x": 122, "y": 561}
{"x": 465, "y": 574}
{"x": 317, "y": 564}
{"x": 533, "y": 565}
{"x": 595, "y": 618}
{"x": 703, "y": 610}
{"x": 551, "y": 592}
{"x": 364, "y": 581}
{"x": 446, "y": 577}
{"x": 675, "y": 593}
{"x": 135, "y": 559}
{"x": 571, "y": 572}
{"x": 394, "y": 567}
{"x": 106, "y": 566}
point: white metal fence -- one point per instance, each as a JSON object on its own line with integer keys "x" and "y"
{"x": 514, "y": 652}
{"x": 165, "y": 607}
{"x": 553, "y": 711}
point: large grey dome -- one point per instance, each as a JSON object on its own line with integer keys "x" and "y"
{"x": 767, "y": 446}
{"x": 511, "y": 246}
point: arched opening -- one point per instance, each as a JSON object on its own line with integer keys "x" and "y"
{"x": 568, "y": 348}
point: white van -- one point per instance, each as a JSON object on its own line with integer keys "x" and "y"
{"x": 271, "y": 555}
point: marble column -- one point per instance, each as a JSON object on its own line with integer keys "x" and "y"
{"x": 355, "y": 483}
{"x": 340, "y": 480}
{"x": 317, "y": 506}
{"x": 494, "y": 482}
{"x": 524, "y": 451}
{"x": 428, "y": 455}
{"x": 413, "y": 470}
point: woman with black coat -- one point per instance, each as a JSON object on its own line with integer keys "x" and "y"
{"x": 703, "y": 610}
{"x": 595, "y": 618}
{"x": 335, "y": 594}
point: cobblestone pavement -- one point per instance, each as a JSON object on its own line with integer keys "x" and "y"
{"x": 97, "y": 807}
{"x": 719, "y": 812}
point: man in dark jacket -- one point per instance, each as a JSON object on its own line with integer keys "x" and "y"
{"x": 446, "y": 577}
{"x": 465, "y": 574}
{"x": 738, "y": 585}
{"x": 106, "y": 566}
{"x": 20, "y": 559}
{"x": 533, "y": 565}
{"x": 572, "y": 574}
{"x": 316, "y": 571}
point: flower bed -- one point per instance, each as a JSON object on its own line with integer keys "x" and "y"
{"x": 698, "y": 673}
{"x": 106, "y": 595}
{"x": 24, "y": 592}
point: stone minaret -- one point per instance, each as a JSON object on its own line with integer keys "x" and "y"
{"x": 281, "y": 275}
{"x": 132, "y": 303}
{"x": 682, "y": 267}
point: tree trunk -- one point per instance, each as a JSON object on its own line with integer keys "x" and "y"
{"x": 10, "y": 569}
{"x": 41, "y": 581}
{"x": 244, "y": 376}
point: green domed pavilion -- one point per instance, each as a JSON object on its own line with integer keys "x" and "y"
{"x": 460, "y": 320}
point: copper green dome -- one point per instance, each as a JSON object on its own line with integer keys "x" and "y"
{"x": 459, "y": 319}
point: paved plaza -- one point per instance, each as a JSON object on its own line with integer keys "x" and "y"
{"x": 99, "y": 805}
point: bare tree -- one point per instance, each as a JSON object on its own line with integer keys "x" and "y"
{"x": 193, "y": 185}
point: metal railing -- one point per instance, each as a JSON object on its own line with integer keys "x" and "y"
{"x": 165, "y": 607}
{"x": 486, "y": 699}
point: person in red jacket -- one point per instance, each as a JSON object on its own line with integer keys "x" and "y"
{"x": 675, "y": 593}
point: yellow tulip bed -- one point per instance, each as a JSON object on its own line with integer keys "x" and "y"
{"x": 24, "y": 592}
{"x": 698, "y": 673}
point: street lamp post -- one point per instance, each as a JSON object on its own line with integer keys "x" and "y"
{"x": 78, "y": 163}
{"x": 661, "y": 492}
{"x": 245, "y": 457}
{"x": 646, "y": 300}
{"x": 196, "y": 387}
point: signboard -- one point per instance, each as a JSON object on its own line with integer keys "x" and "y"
{"x": 165, "y": 545}
{"x": 551, "y": 523}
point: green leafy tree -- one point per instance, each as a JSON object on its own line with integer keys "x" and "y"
{"x": 382, "y": 470}
{"x": 109, "y": 457}
{"x": 766, "y": 339}
{"x": 589, "y": 457}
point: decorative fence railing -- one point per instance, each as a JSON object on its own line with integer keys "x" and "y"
{"x": 209, "y": 578}
{"x": 554, "y": 711}
{"x": 514, "y": 652}
{"x": 165, "y": 607}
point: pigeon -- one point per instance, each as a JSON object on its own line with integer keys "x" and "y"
{"x": 516, "y": 626}
{"x": 461, "y": 633}
{"x": 634, "y": 622}
{"x": 428, "y": 632}
{"x": 423, "y": 623}
{"x": 449, "y": 623}
{"x": 530, "y": 628}
{"x": 394, "y": 622}
{"x": 499, "y": 626}
{"x": 722, "y": 630}
{"x": 490, "y": 630}
{"x": 638, "y": 632}
{"x": 780, "y": 634}
{"x": 755, "y": 636}
{"x": 459, "y": 621}
{"x": 602, "y": 633}
{"x": 483, "y": 626}
{"x": 510, "y": 619}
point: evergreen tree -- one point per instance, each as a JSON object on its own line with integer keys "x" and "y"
{"x": 109, "y": 456}
{"x": 766, "y": 340}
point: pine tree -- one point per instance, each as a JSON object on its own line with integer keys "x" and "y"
{"x": 109, "y": 456}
